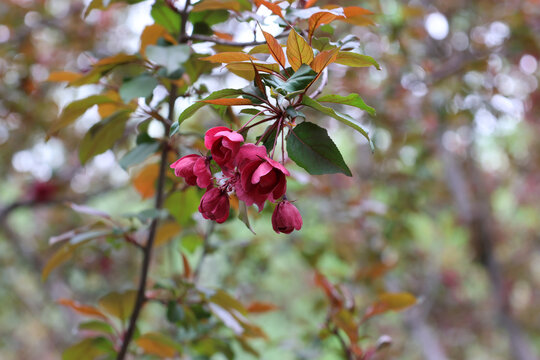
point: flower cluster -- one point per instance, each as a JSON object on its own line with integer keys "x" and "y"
{"x": 246, "y": 170}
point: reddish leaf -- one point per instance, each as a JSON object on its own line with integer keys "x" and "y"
{"x": 144, "y": 181}
{"x": 151, "y": 35}
{"x": 309, "y": 3}
{"x": 229, "y": 102}
{"x": 331, "y": 292}
{"x": 223, "y": 35}
{"x": 261, "y": 307}
{"x": 320, "y": 18}
{"x": 323, "y": 59}
{"x": 275, "y": 49}
{"x": 82, "y": 309}
{"x": 228, "y": 57}
{"x": 272, "y": 7}
{"x": 187, "y": 267}
{"x": 60, "y": 76}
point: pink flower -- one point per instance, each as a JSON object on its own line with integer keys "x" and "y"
{"x": 286, "y": 218}
{"x": 195, "y": 169}
{"x": 215, "y": 205}
{"x": 261, "y": 178}
{"x": 223, "y": 143}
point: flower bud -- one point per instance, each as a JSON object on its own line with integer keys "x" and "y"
{"x": 286, "y": 218}
{"x": 195, "y": 169}
{"x": 215, "y": 205}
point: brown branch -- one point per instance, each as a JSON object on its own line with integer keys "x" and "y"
{"x": 147, "y": 249}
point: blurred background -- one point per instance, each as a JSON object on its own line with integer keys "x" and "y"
{"x": 446, "y": 208}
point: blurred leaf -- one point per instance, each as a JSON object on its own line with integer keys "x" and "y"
{"x": 166, "y": 17}
{"x": 144, "y": 182}
{"x": 117, "y": 59}
{"x": 82, "y": 309}
{"x": 275, "y": 49}
{"x": 61, "y": 76}
{"x": 228, "y": 57}
{"x": 151, "y": 34}
{"x": 356, "y": 60}
{"x": 234, "y": 5}
{"x": 87, "y": 210}
{"x": 260, "y": 49}
{"x": 298, "y": 50}
{"x": 119, "y": 304}
{"x": 225, "y": 93}
{"x": 96, "y": 326}
{"x": 191, "y": 242}
{"x": 271, "y": 6}
{"x": 82, "y": 237}
{"x": 182, "y": 205}
{"x": 75, "y": 109}
{"x": 63, "y": 254}
{"x": 227, "y": 302}
{"x": 103, "y": 135}
{"x": 138, "y": 154}
{"x": 141, "y": 86}
{"x": 258, "y": 307}
{"x": 88, "y": 349}
{"x": 166, "y": 232}
{"x": 346, "y": 119}
{"x": 155, "y": 343}
{"x": 187, "y": 267}
{"x": 309, "y": 146}
{"x": 390, "y": 301}
{"x": 170, "y": 57}
{"x": 227, "y": 318}
{"x": 351, "y": 99}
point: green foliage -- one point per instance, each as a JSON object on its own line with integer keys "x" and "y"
{"x": 310, "y": 147}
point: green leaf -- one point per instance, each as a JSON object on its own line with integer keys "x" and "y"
{"x": 221, "y": 94}
{"x": 299, "y": 80}
{"x": 97, "y": 326}
{"x": 210, "y": 17}
{"x": 138, "y": 154}
{"x": 170, "y": 57}
{"x": 310, "y": 147}
{"x": 191, "y": 242}
{"x": 166, "y": 17}
{"x": 346, "y": 119}
{"x": 75, "y": 109}
{"x": 119, "y": 304}
{"x": 351, "y": 99}
{"x": 103, "y": 135}
{"x": 88, "y": 349}
{"x": 141, "y": 86}
{"x": 182, "y": 204}
{"x": 356, "y": 60}
{"x": 243, "y": 215}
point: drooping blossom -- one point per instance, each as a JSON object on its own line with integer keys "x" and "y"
{"x": 215, "y": 205}
{"x": 195, "y": 169}
{"x": 260, "y": 178}
{"x": 224, "y": 144}
{"x": 286, "y": 218}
